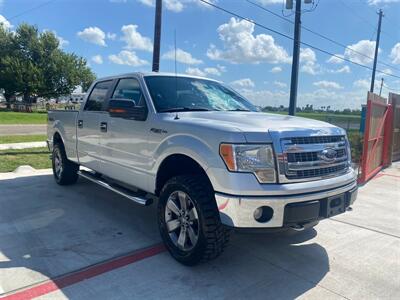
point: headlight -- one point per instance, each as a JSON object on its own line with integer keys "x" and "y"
{"x": 257, "y": 159}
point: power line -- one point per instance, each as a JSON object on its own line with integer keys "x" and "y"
{"x": 290, "y": 38}
{"x": 365, "y": 20}
{"x": 320, "y": 35}
{"x": 29, "y": 10}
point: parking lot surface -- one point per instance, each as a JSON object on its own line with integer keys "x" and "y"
{"x": 84, "y": 242}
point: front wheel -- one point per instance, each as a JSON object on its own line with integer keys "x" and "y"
{"x": 189, "y": 220}
{"x": 65, "y": 171}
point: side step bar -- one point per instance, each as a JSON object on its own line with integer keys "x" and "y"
{"x": 140, "y": 199}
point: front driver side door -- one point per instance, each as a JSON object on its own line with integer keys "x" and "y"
{"x": 125, "y": 155}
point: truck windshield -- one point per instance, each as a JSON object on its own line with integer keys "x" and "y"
{"x": 170, "y": 93}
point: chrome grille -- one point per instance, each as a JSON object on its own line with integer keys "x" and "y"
{"x": 314, "y": 157}
{"x": 324, "y": 139}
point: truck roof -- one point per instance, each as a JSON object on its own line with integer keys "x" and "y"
{"x": 144, "y": 74}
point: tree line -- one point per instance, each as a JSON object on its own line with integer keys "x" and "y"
{"x": 33, "y": 65}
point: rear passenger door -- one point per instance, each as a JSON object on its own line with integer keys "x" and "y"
{"x": 125, "y": 155}
{"x": 89, "y": 125}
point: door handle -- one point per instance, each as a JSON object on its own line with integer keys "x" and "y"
{"x": 80, "y": 123}
{"x": 103, "y": 127}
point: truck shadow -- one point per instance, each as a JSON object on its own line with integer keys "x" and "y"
{"x": 47, "y": 230}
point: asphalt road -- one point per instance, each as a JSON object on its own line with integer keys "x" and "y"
{"x": 48, "y": 231}
{"x": 25, "y": 129}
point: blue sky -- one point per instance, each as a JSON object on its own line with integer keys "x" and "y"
{"x": 115, "y": 36}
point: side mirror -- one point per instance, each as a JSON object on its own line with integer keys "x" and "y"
{"x": 127, "y": 109}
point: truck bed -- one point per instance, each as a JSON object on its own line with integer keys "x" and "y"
{"x": 64, "y": 122}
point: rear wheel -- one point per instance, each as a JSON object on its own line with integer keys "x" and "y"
{"x": 65, "y": 171}
{"x": 189, "y": 220}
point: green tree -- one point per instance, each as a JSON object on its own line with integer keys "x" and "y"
{"x": 33, "y": 65}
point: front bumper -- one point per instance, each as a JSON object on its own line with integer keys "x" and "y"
{"x": 238, "y": 211}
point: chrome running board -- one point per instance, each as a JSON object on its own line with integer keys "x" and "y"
{"x": 131, "y": 195}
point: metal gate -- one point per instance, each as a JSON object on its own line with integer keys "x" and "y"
{"x": 394, "y": 99}
{"x": 377, "y": 137}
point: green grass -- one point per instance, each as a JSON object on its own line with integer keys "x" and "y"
{"x": 10, "y": 117}
{"x": 325, "y": 116}
{"x": 8, "y": 139}
{"x": 37, "y": 158}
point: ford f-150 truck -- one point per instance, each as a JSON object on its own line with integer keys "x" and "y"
{"x": 209, "y": 157}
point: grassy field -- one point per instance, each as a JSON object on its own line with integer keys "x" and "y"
{"x": 37, "y": 158}
{"x": 10, "y": 117}
{"x": 325, "y": 116}
{"x": 8, "y": 139}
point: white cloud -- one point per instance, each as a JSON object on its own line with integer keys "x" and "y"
{"x": 134, "y": 40}
{"x": 344, "y": 69}
{"x": 176, "y": 5}
{"x": 97, "y": 59}
{"x": 195, "y": 72}
{"x": 93, "y": 35}
{"x": 5, "y": 23}
{"x": 213, "y": 71}
{"x": 379, "y": 2}
{"x": 280, "y": 84}
{"x": 384, "y": 72}
{"x": 395, "y": 54}
{"x": 118, "y": 1}
{"x": 327, "y": 84}
{"x": 335, "y": 59}
{"x": 362, "y": 83}
{"x": 366, "y": 47}
{"x": 182, "y": 57}
{"x": 111, "y": 36}
{"x": 126, "y": 57}
{"x": 243, "y": 83}
{"x": 308, "y": 61}
{"x": 240, "y": 45}
{"x": 276, "y": 70}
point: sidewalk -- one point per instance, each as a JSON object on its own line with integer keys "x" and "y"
{"x": 15, "y": 146}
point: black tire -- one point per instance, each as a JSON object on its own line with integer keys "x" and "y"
{"x": 212, "y": 235}
{"x": 68, "y": 174}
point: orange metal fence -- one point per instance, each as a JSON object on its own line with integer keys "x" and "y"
{"x": 377, "y": 137}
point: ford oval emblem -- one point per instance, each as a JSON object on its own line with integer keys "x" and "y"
{"x": 328, "y": 154}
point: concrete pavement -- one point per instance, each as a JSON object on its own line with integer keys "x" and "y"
{"x": 48, "y": 230}
{"x": 26, "y": 145}
{"x": 23, "y": 129}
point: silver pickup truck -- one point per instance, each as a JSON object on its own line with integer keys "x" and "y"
{"x": 209, "y": 158}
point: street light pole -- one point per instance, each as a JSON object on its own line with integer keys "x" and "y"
{"x": 295, "y": 61}
{"x": 157, "y": 36}
{"x": 378, "y": 36}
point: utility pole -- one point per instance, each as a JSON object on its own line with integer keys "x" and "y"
{"x": 295, "y": 61}
{"x": 380, "y": 91}
{"x": 378, "y": 36}
{"x": 157, "y": 36}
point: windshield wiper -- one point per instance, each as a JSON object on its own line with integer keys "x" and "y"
{"x": 239, "y": 109}
{"x": 177, "y": 109}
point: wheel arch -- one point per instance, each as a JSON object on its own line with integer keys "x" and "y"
{"x": 175, "y": 165}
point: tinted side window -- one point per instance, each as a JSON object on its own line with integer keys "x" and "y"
{"x": 128, "y": 88}
{"x": 98, "y": 96}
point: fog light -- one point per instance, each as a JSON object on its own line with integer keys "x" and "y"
{"x": 263, "y": 214}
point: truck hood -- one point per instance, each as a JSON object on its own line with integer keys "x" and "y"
{"x": 254, "y": 125}
{"x": 252, "y": 121}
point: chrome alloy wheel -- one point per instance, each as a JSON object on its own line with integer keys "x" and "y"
{"x": 182, "y": 221}
{"x": 58, "y": 166}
